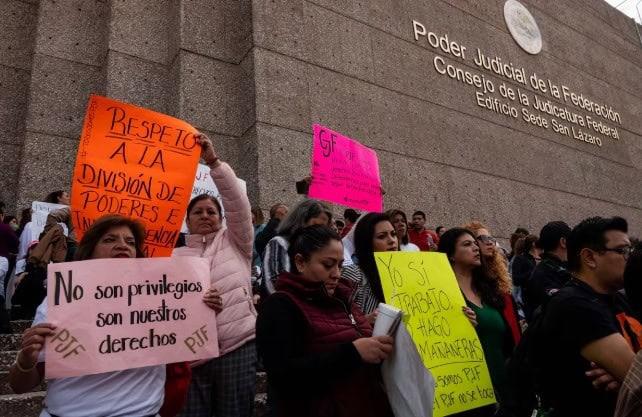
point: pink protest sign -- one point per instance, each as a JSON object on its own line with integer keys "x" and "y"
{"x": 115, "y": 314}
{"x": 344, "y": 171}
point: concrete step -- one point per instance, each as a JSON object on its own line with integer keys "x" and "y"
{"x": 6, "y": 360}
{"x": 6, "y": 389}
{"x": 19, "y": 326}
{"x": 261, "y": 383}
{"x": 22, "y": 405}
{"x": 10, "y": 341}
{"x": 30, "y": 404}
{"x": 260, "y": 405}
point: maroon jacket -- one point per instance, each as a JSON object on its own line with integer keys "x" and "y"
{"x": 305, "y": 339}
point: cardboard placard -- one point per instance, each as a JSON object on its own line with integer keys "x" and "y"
{"x": 115, "y": 314}
{"x": 424, "y": 287}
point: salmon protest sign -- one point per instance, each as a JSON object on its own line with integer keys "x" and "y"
{"x": 115, "y": 314}
{"x": 344, "y": 171}
{"x": 137, "y": 163}
{"x": 424, "y": 286}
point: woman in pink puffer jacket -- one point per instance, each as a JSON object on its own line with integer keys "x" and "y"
{"x": 224, "y": 386}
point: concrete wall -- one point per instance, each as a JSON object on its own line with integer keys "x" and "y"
{"x": 356, "y": 67}
{"x": 186, "y": 58}
{"x": 255, "y": 75}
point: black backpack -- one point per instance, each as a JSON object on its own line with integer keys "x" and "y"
{"x": 524, "y": 370}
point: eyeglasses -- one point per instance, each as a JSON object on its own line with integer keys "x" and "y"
{"x": 625, "y": 251}
{"x": 486, "y": 239}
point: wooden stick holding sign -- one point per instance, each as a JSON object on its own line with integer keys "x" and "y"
{"x": 344, "y": 171}
{"x": 115, "y": 314}
{"x": 137, "y": 163}
{"x": 423, "y": 285}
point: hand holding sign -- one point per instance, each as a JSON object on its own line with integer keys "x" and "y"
{"x": 115, "y": 314}
{"x": 137, "y": 163}
{"x": 207, "y": 149}
{"x": 423, "y": 285}
{"x": 33, "y": 340}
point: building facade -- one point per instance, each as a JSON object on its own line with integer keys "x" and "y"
{"x": 466, "y": 123}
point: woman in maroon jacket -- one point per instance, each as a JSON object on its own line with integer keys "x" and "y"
{"x": 316, "y": 345}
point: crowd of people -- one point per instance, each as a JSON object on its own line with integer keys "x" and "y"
{"x": 557, "y": 314}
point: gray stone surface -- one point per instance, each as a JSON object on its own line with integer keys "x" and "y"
{"x": 47, "y": 164}
{"x": 22, "y": 405}
{"x": 140, "y": 28}
{"x": 564, "y": 13}
{"x": 218, "y": 29}
{"x": 283, "y": 159}
{"x": 137, "y": 81}
{"x": 256, "y": 74}
{"x": 282, "y": 90}
{"x": 10, "y": 167}
{"x": 59, "y": 93}
{"x": 17, "y": 33}
{"x": 74, "y": 30}
{"x": 215, "y": 95}
{"x": 14, "y": 88}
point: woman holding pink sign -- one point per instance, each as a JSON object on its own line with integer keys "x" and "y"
{"x": 132, "y": 392}
{"x": 224, "y": 386}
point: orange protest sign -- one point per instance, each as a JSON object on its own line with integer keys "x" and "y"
{"x": 137, "y": 163}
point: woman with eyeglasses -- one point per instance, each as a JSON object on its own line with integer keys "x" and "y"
{"x": 485, "y": 297}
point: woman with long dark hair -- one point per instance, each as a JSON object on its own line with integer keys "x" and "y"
{"x": 400, "y": 223}
{"x": 484, "y": 296}
{"x": 373, "y": 233}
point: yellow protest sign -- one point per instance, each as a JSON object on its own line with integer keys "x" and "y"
{"x": 423, "y": 285}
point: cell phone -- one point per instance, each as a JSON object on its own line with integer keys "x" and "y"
{"x": 302, "y": 187}
{"x": 395, "y": 325}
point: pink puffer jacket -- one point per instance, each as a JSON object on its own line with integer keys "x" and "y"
{"x": 230, "y": 253}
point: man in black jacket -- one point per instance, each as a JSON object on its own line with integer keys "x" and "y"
{"x": 277, "y": 213}
{"x": 550, "y": 274}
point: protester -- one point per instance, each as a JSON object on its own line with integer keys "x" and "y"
{"x": 258, "y": 221}
{"x": 494, "y": 263}
{"x": 320, "y": 357}
{"x": 633, "y": 279}
{"x": 276, "y": 260}
{"x": 373, "y": 233}
{"x": 5, "y": 327}
{"x": 425, "y": 239}
{"x": 521, "y": 267}
{"x": 12, "y": 221}
{"x": 551, "y": 273}
{"x": 339, "y": 225}
{"x": 581, "y": 320}
{"x": 8, "y": 239}
{"x": 25, "y": 217}
{"x": 629, "y": 403}
{"x": 519, "y": 233}
{"x": 440, "y": 230}
{"x": 486, "y": 302}
{"x": 278, "y": 212}
{"x": 350, "y": 216}
{"x": 58, "y": 197}
{"x": 400, "y": 223}
{"x": 224, "y": 386}
{"x": 132, "y": 392}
